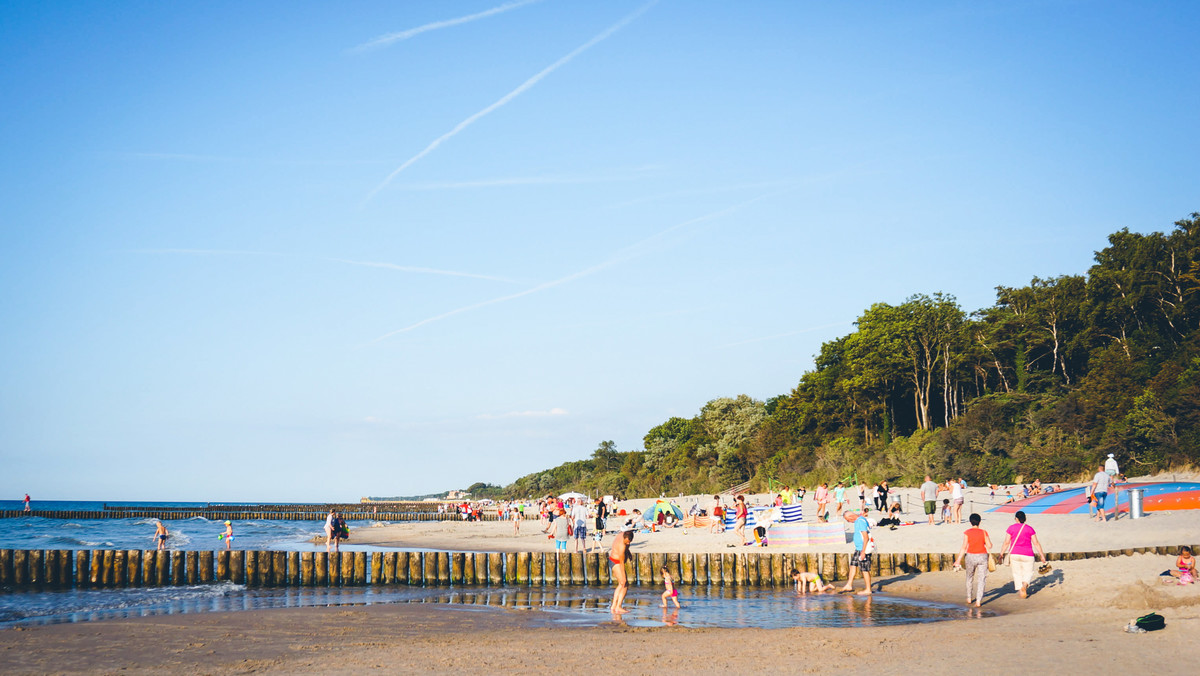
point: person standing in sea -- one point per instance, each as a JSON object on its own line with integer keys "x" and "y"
{"x": 616, "y": 560}
{"x": 864, "y": 548}
{"x": 160, "y": 535}
{"x": 27, "y": 509}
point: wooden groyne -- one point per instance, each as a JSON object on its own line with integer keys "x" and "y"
{"x": 235, "y": 514}
{"x": 22, "y": 569}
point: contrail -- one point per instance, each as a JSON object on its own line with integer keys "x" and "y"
{"x": 404, "y": 35}
{"x": 629, "y": 252}
{"x": 525, "y": 86}
{"x": 424, "y": 271}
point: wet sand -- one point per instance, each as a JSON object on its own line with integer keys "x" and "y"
{"x": 1073, "y": 620}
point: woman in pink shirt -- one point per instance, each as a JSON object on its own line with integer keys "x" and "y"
{"x": 822, "y": 496}
{"x": 1020, "y": 543}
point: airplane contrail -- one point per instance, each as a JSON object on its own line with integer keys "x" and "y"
{"x": 629, "y": 252}
{"x": 525, "y": 86}
{"x": 389, "y": 38}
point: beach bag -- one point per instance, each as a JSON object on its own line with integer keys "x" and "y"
{"x": 1151, "y": 622}
{"x": 991, "y": 564}
{"x": 570, "y": 530}
{"x": 869, "y": 546}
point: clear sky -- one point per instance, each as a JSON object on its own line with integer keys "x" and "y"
{"x": 276, "y": 251}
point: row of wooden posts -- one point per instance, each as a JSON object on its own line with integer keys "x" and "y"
{"x": 213, "y": 515}
{"x": 25, "y": 569}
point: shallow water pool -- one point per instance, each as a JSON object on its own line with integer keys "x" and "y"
{"x": 581, "y": 606}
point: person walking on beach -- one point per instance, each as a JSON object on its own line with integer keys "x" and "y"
{"x": 1100, "y": 493}
{"x": 881, "y": 496}
{"x": 839, "y": 496}
{"x": 1114, "y": 474}
{"x": 821, "y": 495}
{"x": 974, "y": 557}
{"x": 956, "y": 501}
{"x": 929, "y": 492}
{"x": 559, "y": 530}
{"x": 515, "y": 515}
{"x": 862, "y": 496}
{"x": 616, "y": 561}
{"x": 579, "y": 514}
{"x": 739, "y": 518}
{"x": 670, "y": 593}
{"x": 160, "y": 535}
{"x": 1020, "y": 543}
{"x": 864, "y": 547}
{"x": 718, "y": 516}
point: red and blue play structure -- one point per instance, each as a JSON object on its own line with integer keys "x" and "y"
{"x": 1157, "y": 496}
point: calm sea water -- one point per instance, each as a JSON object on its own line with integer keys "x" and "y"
{"x": 702, "y": 607}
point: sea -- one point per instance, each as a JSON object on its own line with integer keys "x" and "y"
{"x": 577, "y": 606}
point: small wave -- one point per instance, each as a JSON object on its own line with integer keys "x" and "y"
{"x": 199, "y": 518}
{"x": 72, "y": 525}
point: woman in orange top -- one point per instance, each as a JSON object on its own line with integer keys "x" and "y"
{"x": 974, "y": 557}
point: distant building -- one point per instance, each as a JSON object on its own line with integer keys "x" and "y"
{"x": 457, "y": 495}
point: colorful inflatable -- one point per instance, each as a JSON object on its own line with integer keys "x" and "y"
{"x": 1157, "y": 496}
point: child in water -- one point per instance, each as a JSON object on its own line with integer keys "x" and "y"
{"x": 671, "y": 592}
{"x": 810, "y": 581}
{"x": 228, "y": 535}
{"x": 160, "y": 535}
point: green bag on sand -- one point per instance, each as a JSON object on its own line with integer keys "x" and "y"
{"x": 1151, "y": 622}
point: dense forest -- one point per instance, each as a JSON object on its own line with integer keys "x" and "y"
{"x": 1045, "y": 383}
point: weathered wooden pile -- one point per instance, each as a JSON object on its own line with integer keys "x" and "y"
{"x": 30, "y": 569}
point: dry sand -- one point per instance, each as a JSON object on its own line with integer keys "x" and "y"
{"x": 1057, "y": 533}
{"x": 1072, "y": 621}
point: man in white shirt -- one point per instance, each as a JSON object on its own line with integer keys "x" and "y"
{"x": 1100, "y": 493}
{"x": 579, "y": 516}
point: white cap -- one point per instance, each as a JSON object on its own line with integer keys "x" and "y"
{"x": 1110, "y": 455}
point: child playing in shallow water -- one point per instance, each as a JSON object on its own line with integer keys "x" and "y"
{"x": 671, "y": 592}
{"x": 809, "y": 581}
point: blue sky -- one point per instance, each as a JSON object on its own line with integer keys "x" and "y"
{"x": 303, "y": 251}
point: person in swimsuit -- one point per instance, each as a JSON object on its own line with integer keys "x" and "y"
{"x": 671, "y": 592}
{"x": 516, "y": 520}
{"x": 228, "y": 535}
{"x": 1185, "y": 566}
{"x": 718, "y": 516}
{"x": 806, "y": 582}
{"x": 160, "y": 535}
{"x": 739, "y": 518}
{"x": 616, "y": 560}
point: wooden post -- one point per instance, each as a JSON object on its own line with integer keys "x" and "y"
{"x": 293, "y": 568}
{"x": 120, "y": 571}
{"x": 193, "y": 567}
{"x": 743, "y": 569}
{"x": 280, "y": 568}
{"x": 700, "y": 568}
{"x": 66, "y": 568}
{"x": 604, "y": 570}
{"x": 134, "y": 563}
{"x": 443, "y": 567}
{"x": 206, "y": 566}
{"x": 457, "y": 564}
{"x": 387, "y": 569}
{"x": 842, "y": 561}
{"x": 537, "y": 576}
{"x": 780, "y": 570}
{"x": 510, "y": 568}
{"x": 347, "y": 573}
{"x": 687, "y": 569}
{"x": 402, "y": 568}
{"x": 177, "y": 565}
{"x": 912, "y": 562}
{"x": 308, "y": 575}
{"x": 759, "y": 567}
{"x": 360, "y": 568}
{"x": 591, "y": 568}
{"x": 657, "y": 561}
{"x": 416, "y": 568}
{"x": 495, "y": 568}
{"x": 253, "y": 567}
{"x": 728, "y": 569}
{"x": 321, "y": 569}
{"x": 237, "y": 567}
{"x": 712, "y": 563}
{"x": 223, "y": 565}
{"x": 83, "y": 565}
{"x": 644, "y": 566}
{"x": 52, "y": 568}
{"x": 577, "y": 565}
{"x": 21, "y": 568}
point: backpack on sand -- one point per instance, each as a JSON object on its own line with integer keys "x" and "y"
{"x": 1151, "y": 622}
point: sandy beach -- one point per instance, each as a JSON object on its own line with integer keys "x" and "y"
{"x": 1057, "y": 533}
{"x": 1073, "y": 620}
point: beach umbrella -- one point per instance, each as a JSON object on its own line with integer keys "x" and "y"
{"x": 667, "y": 507}
{"x": 568, "y": 496}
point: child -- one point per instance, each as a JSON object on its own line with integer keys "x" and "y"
{"x": 561, "y": 526}
{"x": 671, "y": 592}
{"x": 945, "y": 511}
{"x": 516, "y": 520}
{"x": 228, "y": 535}
{"x": 805, "y": 581}
{"x": 1185, "y": 566}
{"x": 160, "y": 535}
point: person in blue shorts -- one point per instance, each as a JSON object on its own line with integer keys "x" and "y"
{"x": 864, "y": 548}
